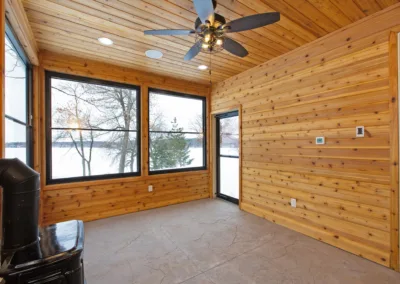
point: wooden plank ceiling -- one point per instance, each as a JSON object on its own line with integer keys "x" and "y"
{"x": 73, "y": 26}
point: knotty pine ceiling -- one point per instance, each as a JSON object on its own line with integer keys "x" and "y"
{"x": 73, "y": 26}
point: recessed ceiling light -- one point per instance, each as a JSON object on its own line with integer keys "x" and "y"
{"x": 105, "y": 41}
{"x": 203, "y": 67}
{"x": 154, "y": 54}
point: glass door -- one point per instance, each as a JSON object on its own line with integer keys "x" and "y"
{"x": 228, "y": 156}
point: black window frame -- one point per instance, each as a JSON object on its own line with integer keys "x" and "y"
{"x": 10, "y": 34}
{"x": 204, "y": 111}
{"x": 48, "y": 119}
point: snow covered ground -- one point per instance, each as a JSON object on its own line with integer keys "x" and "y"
{"x": 67, "y": 163}
{"x": 229, "y": 177}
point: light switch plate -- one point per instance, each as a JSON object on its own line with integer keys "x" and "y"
{"x": 360, "y": 131}
{"x": 320, "y": 140}
{"x": 293, "y": 202}
{"x": 150, "y": 188}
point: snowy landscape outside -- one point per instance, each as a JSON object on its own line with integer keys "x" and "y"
{"x": 81, "y": 114}
{"x": 15, "y": 104}
{"x": 229, "y": 156}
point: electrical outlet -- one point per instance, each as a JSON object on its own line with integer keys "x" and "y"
{"x": 150, "y": 188}
{"x": 293, "y": 202}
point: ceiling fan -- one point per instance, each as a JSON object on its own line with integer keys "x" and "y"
{"x": 211, "y": 29}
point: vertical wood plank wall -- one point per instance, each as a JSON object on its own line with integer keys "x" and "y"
{"x": 99, "y": 199}
{"x": 347, "y": 189}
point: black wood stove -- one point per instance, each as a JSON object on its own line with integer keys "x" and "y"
{"x": 29, "y": 254}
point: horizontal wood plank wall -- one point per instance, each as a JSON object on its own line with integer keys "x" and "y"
{"x": 99, "y": 199}
{"x": 325, "y": 88}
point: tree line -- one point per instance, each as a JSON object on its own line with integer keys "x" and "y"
{"x": 88, "y": 113}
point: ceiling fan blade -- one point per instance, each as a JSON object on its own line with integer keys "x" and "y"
{"x": 169, "y": 32}
{"x": 252, "y": 22}
{"x": 234, "y": 47}
{"x": 193, "y": 51}
{"x": 205, "y": 10}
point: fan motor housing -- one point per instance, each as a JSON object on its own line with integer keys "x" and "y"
{"x": 218, "y": 21}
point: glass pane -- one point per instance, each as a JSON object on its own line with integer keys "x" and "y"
{"x": 15, "y": 140}
{"x": 77, "y": 153}
{"x": 171, "y": 113}
{"x": 15, "y": 84}
{"x": 229, "y": 136}
{"x": 229, "y": 125}
{"x": 229, "y": 176}
{"x": 229, "y": 145}
{"x": 81, "y": 105}
{"x": 175, "y": 151}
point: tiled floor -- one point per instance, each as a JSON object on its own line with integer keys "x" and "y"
{"x": 213, "y": 242}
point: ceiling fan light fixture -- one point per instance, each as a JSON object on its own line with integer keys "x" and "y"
{"x": 210, "y": 29}
{"x": 105, "y": 41}
{"x": 203, "y": 67}
{"x": 154, "y": 54}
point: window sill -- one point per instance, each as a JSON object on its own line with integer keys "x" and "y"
{"x": 171, "y": 171}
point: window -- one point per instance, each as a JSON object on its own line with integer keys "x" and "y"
{"x": 93, "y": 129}
{"x": 177, "y": 125}
{"x": 18, "y": 128}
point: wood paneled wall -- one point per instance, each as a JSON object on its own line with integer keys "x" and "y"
{"x": 73, "y": 26}
{"x": 99, "y": 199}
{"x": 346, "y": 190}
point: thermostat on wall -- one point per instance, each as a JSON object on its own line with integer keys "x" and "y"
{"x": 320, "y": 140}
{"x": 360, "y": 131}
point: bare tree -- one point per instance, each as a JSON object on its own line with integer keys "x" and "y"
{"x": 157, "y": 121}
{"x": 113, "y": 110}
{"x": 197, "y": 125}
{"x": 77, "y": 118}
{"x": 119, "y": 112}
{"x": 13, "y": 62}
{"x": 229, "y": 133}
